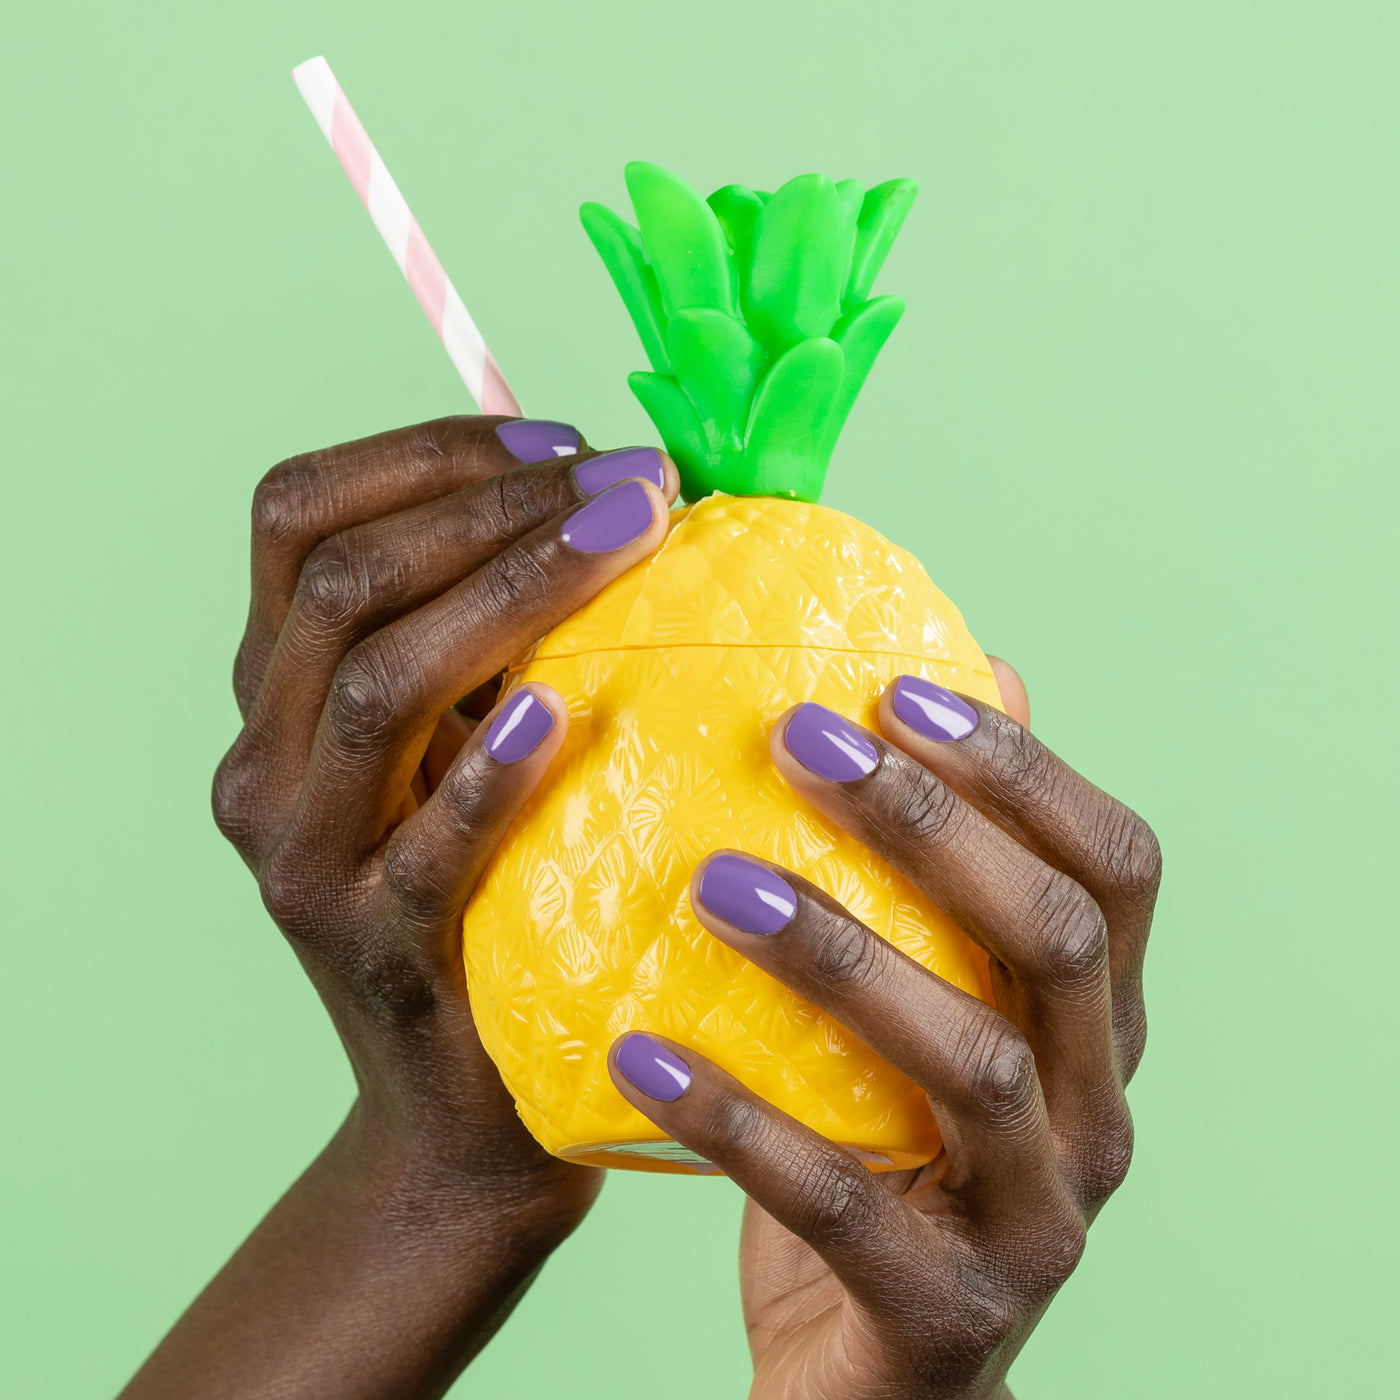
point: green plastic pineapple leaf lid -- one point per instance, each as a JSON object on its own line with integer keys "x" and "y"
{"x": 755, "y": 312}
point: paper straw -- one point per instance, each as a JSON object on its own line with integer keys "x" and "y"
{"x": 380, "y": 195}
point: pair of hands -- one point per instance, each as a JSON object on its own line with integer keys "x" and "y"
{"x": 395, "y": 575}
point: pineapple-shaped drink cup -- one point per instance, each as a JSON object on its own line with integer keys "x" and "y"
{"x": 756, "y": 314}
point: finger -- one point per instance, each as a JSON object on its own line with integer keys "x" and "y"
{"x": 999, "y": 767}
{"x": 977, "y": 1069}
{"x": 389, "y": 690}
{"x": 813, "y": 1188}
{"x": 1036, "y": 922}
{"x": 1014, "y": 699}
{"x": 306, "y": 499}
{"x": 367, "y": 575}
{"x": 433, "y": 861}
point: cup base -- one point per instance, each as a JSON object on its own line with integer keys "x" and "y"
{"x": 667, "y": 1155}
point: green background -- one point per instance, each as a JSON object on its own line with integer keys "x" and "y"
{"x": 1140, "y": 422}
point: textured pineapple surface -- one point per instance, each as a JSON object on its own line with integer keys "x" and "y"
{"x": 582, "y": 928}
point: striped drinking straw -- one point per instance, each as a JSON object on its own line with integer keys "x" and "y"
{"x": 380, "y": 195}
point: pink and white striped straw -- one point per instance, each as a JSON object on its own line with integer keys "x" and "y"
{"x": 380, "y": 195}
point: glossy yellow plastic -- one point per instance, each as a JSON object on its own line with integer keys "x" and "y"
{"x": 582, "y": 928}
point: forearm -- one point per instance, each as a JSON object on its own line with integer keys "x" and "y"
{"x": 358, "y": 1283}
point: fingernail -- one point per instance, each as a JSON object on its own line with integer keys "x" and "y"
{"x": 617, "y": 517}
{"x": 825, "y": 744}
{"x": 598, "y": 473}
{"x": 538, "y": 439}
{"x": 519, "y": 729}
{"x": 746, "y": 894}
{"x": 652, "y": 1068}
{"x": 930, "y": 710}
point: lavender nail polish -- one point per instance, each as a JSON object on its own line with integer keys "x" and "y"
{"x": 746, "y": 894}
{"x": 519, "y": 729}
{"x": 829, "y": 746}
{"x": 930, "y": 710}
{"x": 538, "y": 439}
{"x": 598, "y": 473}
{"x": 652, "y": 1068}
{"x": 618, "y": 516}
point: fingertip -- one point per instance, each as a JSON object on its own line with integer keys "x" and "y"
{"x": 735, "y": 892}
{"x": 626, "y": 520}
{"x": 661, "y": 512}
{"x": 649, "y": 1066}
{"x": 777, "y": 737}
{"x": 529, "y": 723}
{"x": 914, "y": 705}
{"x": 547, "y": 695}
{"x": 816, "y": 742}
{"x": 672, "y": 488}
{"x": 1014, "y": 698}
{"x": 597, "y": 472}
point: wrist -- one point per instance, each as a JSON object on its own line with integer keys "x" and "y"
{"x": 377, "y": 1273}
{"x": 418, "y": 1182}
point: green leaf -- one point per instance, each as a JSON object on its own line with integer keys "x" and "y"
{"x": 852, "y": 194}
{"x": 799, "y": 265}
{"x": 624, "y": 255}
{"x": 674, "y": 415}
{"x": 881, "y": 217}
{"x": 737, "y": 209}
{"x": 717, "y": 363}
{"x": 788, "y": 428}
{"x": 753, "y": 404}
{"x": 861, "y": 335}
{"x": 684, "y": 241}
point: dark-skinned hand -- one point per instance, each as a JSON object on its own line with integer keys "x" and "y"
{"x": 926, "y": 1283}
{"x": 391, "y": 578}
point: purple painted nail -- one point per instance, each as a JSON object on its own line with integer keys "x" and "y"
{"x": 652, "y": 1068}
{"x": 519, "y": 728}
{"x": 618, "y": 516}
{"x": 746, "y": 894}
{"x": 598, "y": 473}
{"x": 538, "y": 439}
{"x": 827, "y": 745}
{"x": 930, "y": 710}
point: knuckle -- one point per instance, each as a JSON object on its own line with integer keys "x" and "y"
{"x": 438, "y": 437}
{"x": 924, "y": 809}
{"x": 287, "y": 893}
{"x": 1025, "y": 772}
{"x": 335, "y": 585}
{"x": 839, "y": 1207}
{"x": 516, "y": 580}
{"x": 1071, "y": 936}
{"x": 419, "y": 885}
{"x": 1058, "y": 1249}
{"x": 364, "y": 698}
{"x": 279, "y": 501}
{"x": 1129, "y": 1034}
{"x": 842, "y": 954}
{"x": 249, "y": 667}
{"x": 471, "y": 802}
{"x": 1106, "y": 1163}
{"x": 1001, "y": 1073}
{"x": 234, "y": 799}
{"x": 1132, "y": 855}
{"x": 510, "y": 505}
{"x": 930, "y": 808}
{"x": 735, "y": 1125}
